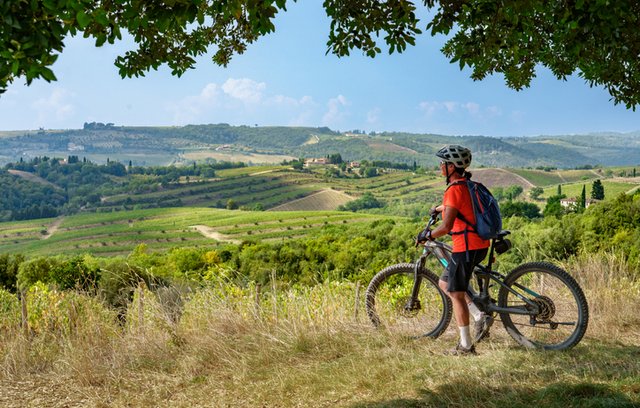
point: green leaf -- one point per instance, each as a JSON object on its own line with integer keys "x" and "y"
{"x": 47, "y": 74}
{"x": 15, "y": 67}
{"x": 49, "y": 4}
{"x": 101, "y": 38}
{"x": 101, "y": 17}
{"x": 83, "y": 19}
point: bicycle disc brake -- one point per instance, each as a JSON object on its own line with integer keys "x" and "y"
{"x": 407, "y": 308}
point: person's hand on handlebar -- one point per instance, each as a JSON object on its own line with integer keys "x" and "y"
{"x": 425, "y": 235}
{"x": 434, "y": 211}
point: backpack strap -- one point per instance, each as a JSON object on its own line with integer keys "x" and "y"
{"x": 463, "y": 218}
{"x": 459, "y": 214}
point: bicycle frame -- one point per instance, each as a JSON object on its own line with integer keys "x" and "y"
{"x": 484, "y": 275}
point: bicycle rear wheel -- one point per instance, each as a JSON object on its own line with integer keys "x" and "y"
{"x": 388, "y": 297}
{"x": 563, "y": 313}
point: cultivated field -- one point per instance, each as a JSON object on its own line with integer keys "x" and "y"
{"x": 324, "y": 200}
{"x": 500, "y": 178}
{"x": 538, "y": 177}
{"x": 118, "y": 233}
{"x": 234, "y": 156}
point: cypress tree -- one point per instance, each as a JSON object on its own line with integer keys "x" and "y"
{"x": 597, "y": 190}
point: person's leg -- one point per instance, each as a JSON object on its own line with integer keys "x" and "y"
{"x": 459, "y": 300}
{"x": 482, "y": 320}
{"x": 454, "y": 283}
{"x": 460, "y": 308}
{"x": 461, "y": 312}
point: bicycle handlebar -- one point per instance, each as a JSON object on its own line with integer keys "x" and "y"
{"x": 432, "y": 220}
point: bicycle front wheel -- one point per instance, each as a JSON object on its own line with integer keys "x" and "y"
{"x": 389, "y": 306}
{"x": 559, "y": 316}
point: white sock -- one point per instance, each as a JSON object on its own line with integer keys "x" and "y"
{"x": 465, "y": 337}
{"x": 475, "y": 312}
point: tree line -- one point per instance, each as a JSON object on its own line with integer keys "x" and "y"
{"x": 73, "y": 184}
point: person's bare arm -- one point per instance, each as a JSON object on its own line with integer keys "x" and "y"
{"x": 449, "y": 216}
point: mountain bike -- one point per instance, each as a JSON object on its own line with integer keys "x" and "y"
{"x": 540, "y": 305}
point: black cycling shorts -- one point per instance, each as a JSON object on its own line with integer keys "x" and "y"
{"x": 458, "y": 272}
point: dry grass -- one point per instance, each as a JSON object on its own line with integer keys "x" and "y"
{"x": 613, "y": 293}
{"x": 306, "y": 347}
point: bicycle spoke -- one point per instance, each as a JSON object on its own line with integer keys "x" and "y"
{"x": 389, "y": 304}
{"x": 558, "y": 311}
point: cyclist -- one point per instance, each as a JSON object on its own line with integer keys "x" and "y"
{"x": 468, "y": 248}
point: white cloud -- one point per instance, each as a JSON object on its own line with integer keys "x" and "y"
{"x": 56, "y": 107}
{"x": 450, "y": 106}
{"x": 429, "y": 108}
{"x": 284, "y": 101}
{"x": 189, "y": 109}
{"x": 335, "y": 112}
{"x": 473, "y": 109}
{"x": 244, "y": 89}
{"x": 247, "y": 101}
{"x": 373, "y": 116}
{"x": 210, "y": 92}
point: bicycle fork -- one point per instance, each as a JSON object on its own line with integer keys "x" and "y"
{"x": 413, "y": 303}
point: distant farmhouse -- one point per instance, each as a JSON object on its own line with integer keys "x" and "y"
{"x": 572, "y": 202}
{"x": 316, "y": 161}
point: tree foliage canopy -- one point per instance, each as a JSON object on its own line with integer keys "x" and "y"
{"x": 599, "y": 40}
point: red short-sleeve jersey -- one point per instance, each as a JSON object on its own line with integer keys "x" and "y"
{"x": 458, "y": 197}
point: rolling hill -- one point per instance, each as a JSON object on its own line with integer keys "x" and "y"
{"x": 175, "y": 145}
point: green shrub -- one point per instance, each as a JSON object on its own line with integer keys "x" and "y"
{"x": 9, "y": 266}
{"x": 64, "y": 273}
{"x": 118, "y": 280}
{"x": 10, "y": 310}
{"x": 62, "y": 313}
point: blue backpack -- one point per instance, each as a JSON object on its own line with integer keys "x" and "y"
{"x": 485, "y": 209}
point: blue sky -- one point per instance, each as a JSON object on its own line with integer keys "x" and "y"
{"x": 286, "y": 79}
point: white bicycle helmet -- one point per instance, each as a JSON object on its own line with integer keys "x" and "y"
{"x": 458, "y": 155}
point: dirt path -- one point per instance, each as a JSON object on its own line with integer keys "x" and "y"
{"x": 53, "y": 228}
{"x": 213, "y": 234}
{"x": 561, "y": 177}
{"x": 261, "y": 172}
{"x": 314, "y": 139}
{"x": 633, "y": 190}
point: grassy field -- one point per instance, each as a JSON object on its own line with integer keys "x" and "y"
{"x": 571, "y": 176}
{"x": 612, "y": 189}
{"x": 538, "y": 177}
{"x": 306, "y": 347}
{"x": 118, "y": 233}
